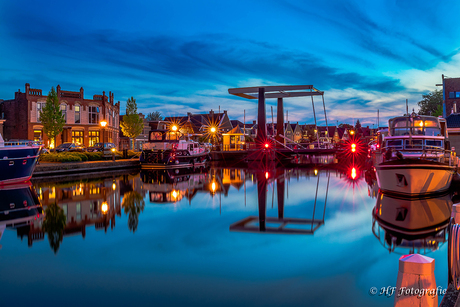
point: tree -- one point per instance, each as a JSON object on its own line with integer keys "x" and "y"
{"x": 431, "y": 104}
{"x": 347, "y": 126}
{"x": 132, "y": 125}
{"x": 154, "y": 116}
{"x": 133, "y": 204}
{"x": 51, "y": 117}
{"x": 357, "y": 125}
{"x": 54, "y": 225}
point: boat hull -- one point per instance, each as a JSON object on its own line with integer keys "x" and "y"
{"x": 17, "y": 164}
{"x": 173, "y": 159}
{"x": 414, "y": 179}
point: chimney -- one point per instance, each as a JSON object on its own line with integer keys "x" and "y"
{"x": 189, "y": 114}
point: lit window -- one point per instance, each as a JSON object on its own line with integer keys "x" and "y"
{"x": 77, "y": 114}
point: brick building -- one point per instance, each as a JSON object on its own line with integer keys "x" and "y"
{"x": 451, "y": 95}
{"x": 83, "y": 117}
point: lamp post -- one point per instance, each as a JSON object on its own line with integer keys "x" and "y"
{"x": 103, "y": 124}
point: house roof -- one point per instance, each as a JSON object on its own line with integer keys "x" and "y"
{"x": 235, "y": 130}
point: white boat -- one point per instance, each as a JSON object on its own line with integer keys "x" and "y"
{"x": 414, "y": 159}
{"x": 166, "y": 150}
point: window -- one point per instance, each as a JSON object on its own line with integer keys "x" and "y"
{"x": 39, "y": 110}
{"x": 451, "y": 94}
{"x": 63, "y": 108}
{"x": 38, "y": 135}
{"x": 77, "y": 137}
{"x": 77, "y": 114}
{"x": 457, "y": 94}
{"x": 93, "y": 138}
{"x": 93, "y": 115}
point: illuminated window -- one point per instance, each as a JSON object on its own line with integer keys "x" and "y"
{"x": 77, "y": 137}
{"x": 77, "y": 114}
{"x": 93, "y": 137}
{"x": 52, "y": 193}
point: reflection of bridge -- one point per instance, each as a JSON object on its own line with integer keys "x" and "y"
{"x": 284, "y": 225}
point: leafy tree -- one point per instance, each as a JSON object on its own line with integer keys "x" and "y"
{"x": 348, "y": 126}
{"x": 51, "y": 117}
{"x": 154, "y": 116}
{"x": 133, "y": 204}
{"x": 54, "y": 225}
{"x": 132, "y": 125}
{"x": 431, "y": 103}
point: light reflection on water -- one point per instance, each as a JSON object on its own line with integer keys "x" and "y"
{"x": 217, "y": 236}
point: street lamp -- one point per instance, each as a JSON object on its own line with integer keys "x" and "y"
{"x": 103, "y": 124}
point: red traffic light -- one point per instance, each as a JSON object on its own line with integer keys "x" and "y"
{"x": 267, "y": 145}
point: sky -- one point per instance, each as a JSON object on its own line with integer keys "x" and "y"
{"x": 183, "y": 56}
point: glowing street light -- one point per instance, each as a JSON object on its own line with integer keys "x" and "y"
{"x": 174, "y": 128}
{"x": 353, "y": 147}
{"x": 213, "y": 129}
{"x": 103, "y": 123}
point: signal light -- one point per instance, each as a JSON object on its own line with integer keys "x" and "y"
{"x": 266, "y": 175}
{"x": 353, "y": 147}
{"x": 353, "y": 173}
{"x": 267, "y": 145}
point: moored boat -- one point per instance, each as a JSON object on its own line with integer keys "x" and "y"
{"x": 17, "y": 161}
{"x": 166, "y": 150}
{"x": 414, "y": 159}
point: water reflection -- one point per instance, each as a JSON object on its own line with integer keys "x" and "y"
{"x": 411, "y": 225}
{"x": 20, "y": 210}
{"x": 280, "y": 224}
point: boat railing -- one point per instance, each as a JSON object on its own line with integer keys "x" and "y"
{"x": 22, "y": 143}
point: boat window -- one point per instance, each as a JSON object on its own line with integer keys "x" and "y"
{"x": 414, "y": 144}
{"x": 394, "y": 143}
{"x": 433, "y": 143}
{"x": 156, "y": 136}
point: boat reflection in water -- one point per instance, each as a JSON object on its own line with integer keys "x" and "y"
{"x": 419, "y": 225}
{"x": 172, "y": 185}
{"x": 20, "y": 210}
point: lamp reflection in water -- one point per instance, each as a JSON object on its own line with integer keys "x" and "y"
{"x": 419, "y": 225}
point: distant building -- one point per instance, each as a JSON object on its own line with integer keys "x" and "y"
{"x": 83, "y": 117}
{"x": 451, "y": 95}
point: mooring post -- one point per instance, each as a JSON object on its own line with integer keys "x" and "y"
{"x": 416, "y": 285}
{"x": 261, "y": 118}
{"x": 279, "y": 122}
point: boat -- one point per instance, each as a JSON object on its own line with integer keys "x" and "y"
{"x": 17, "y": 161}
{"x": 414, "y": 159}
{"x": 165, "y": 149}
{"x": 419, "y": 224}
{"x": 19, "y": 208}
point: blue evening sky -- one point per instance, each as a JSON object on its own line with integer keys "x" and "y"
{"x": 182, "y": 56}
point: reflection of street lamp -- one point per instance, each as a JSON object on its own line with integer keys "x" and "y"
{"x": 103, "y": 124}
{"x": 213, "y": 187}
{"x": 104, "y": 207}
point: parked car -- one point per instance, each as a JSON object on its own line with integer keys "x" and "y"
{"x": 70, "y": 147}
{"x": 100, "y": 147}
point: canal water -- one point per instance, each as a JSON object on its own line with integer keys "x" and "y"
{"x": 213, "y": 237}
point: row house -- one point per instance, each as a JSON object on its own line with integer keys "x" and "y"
{"x": 83, "y": 117}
